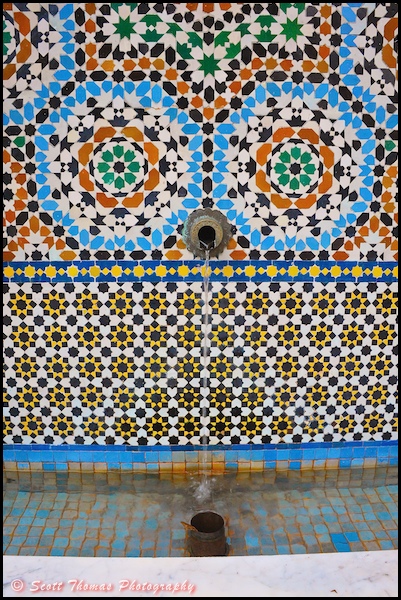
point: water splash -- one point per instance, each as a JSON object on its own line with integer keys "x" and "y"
{"x": 203, "y": 491}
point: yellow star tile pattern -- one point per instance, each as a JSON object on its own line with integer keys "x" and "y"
{"x": 294, "y": 362}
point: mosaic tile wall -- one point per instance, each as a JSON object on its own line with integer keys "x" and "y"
{"x": 119, "y": 121}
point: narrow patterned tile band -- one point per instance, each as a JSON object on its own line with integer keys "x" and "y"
{"x": 195, "y": 270}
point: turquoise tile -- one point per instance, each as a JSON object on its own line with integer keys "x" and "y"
{"x": 178, "y": 456}
{"x": 126, "y": 466}
{"x": 366, "y": 536}
{"x": 381, "y": 535}
{"x": 45, "y": 540}
{"x": 21, "y": 530}
{"x": 165, "y": 456}
{"x": 333, "y": 453}
{"x": 251, "y": 539}
{"x": 281, "y": 540}
{"x": 386, "y": 544}
{"x": 86, "y": 456}
{"x": 8, "y": 529}
{"x": 9, "y": 455}
{"x": 306, "y": 528}
{"x": 57, "y": 552}
{"x": 99, "y": 457}
{"x": 74, "y": 457}
{"x": 61, "y": 466}
{"x": 369, "y": 516}
{"x": 13, "y": 550}
{"x": 152, "y": 467}
{"x": 218, "y": 455}
{"x": 303, "y": 519}
{"x": 383, "y": 515}
{"x": 283, "y": 454}
{"x": 351, "y": 536}
{"x": 60, "y": 542}
{"x": 138, "y": 457}
{"x": 289, "y": 511}
{"x": 72, "y": 551}
{"x": 113, "y": 465}
{"x": 298, "y": 549}
{"x": 232, "y": 466}
{"x": 102, "y": 552}
{"x": 162, "y": 552}
{"x": 383, "y": 451}
{"x": 93, "y": 524}
{"x": 310, "y": 540}
{"x": 59, "y": 457}
{"x": 65, "y": 522}
{"x": 270, "y": 464}
{"x": 327, "y": 510}
{"x": 88, "y": 544}
{"x": 232, "y": 455}
{"x": 321, "y": 453}
{"x": 39, "y": 522}
{"x": 357, "y": 462}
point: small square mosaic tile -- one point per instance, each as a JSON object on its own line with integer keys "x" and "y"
{"x": 272, "y": 513}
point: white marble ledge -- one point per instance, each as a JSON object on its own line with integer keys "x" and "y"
{"x": 356, "y": 574}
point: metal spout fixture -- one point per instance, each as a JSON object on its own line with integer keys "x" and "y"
{"x": 206, "y": 230}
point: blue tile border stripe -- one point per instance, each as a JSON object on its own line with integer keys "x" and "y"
{"x": 265, "y": 456}
{"x": 136, "y": 271}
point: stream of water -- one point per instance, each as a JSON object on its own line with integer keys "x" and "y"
{"x": 203, "y": 491}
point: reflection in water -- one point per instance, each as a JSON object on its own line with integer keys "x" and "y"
{"x": 126, "y": 514}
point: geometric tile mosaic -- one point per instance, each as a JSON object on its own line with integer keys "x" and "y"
{"x": 121, "y": 119}
{"x": 122, "y": 363}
